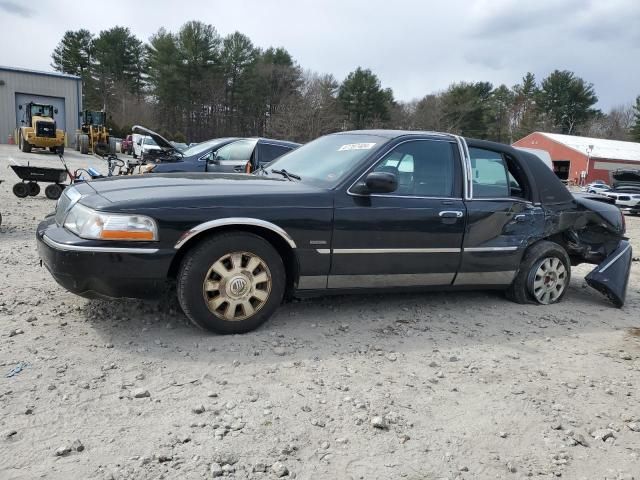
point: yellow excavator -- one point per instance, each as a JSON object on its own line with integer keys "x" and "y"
{"x": 38, "y": 129}
{"x": 93, "y": 136}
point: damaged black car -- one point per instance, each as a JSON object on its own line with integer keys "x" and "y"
{"x": 349, "y": 212}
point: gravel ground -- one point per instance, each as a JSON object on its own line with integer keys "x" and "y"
{"x": 417, "y": 386}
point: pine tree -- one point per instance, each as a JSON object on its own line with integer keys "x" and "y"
{"x": 635, "y": 129}
{"x": 364, "y": 100}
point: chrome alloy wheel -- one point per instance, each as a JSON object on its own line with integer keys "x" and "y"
{"x": 549, "y": 281}
{"x": 236, "y": 286}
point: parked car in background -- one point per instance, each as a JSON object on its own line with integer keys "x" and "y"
{"x": 626, "y": 190}
{"x": 233, "y": 155}
{"x": 126, "y": 145}
{"x": 353, "y": 211}
{"x": 597, "y": 186}
{"x": 145, "y": 146}
{"x": 180, "y": 146}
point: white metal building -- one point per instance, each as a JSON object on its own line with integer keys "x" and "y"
{"x": 19, "y": 86}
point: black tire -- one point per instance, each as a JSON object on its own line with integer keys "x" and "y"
{"x": 195, "y": 268}
{"x": 134, "y": 155}
{"x": 34, "y": 189}
{"x": 53, "y": 191}
{"x": 84, "y": 143}
{"x": 24, "y": 145}
{"x": 521, "y": 289}
{"x": 21, "y": 190}
{"x": 77, "y": 146}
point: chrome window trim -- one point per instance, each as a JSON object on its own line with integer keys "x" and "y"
{"x": 81, "y": 248}
{"x": 446, "y": 139}
{"x": 466, "y": 167}
{"x": 222, "y": 222}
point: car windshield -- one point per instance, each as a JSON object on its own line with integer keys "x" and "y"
{"x": 199, "y": 148}
{"x": 149, "y": 141}
{"x": 327, "y": 160}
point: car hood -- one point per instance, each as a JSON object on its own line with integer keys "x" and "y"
{"x": 162, "y": 142}
{"x": 197, "y": 190}
{"x": 626, "y": 180}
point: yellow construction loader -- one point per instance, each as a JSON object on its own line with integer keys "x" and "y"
{"x": 93, "y": 135}
{"x": 38, "y": 129}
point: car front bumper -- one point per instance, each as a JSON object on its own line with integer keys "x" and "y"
{"x": 611, "y": 277}
{"x": 100, "y": 269}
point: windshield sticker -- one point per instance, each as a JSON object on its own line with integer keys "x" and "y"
{"x": 356, "y": 146}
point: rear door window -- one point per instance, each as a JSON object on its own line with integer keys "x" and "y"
{"x": 496, "y": 176}
{"x": 269, "y": 152}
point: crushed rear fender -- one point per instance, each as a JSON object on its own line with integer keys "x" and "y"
{"x": 611, "y": 277}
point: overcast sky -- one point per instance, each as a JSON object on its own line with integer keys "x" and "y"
{"x": 415, "y": 47}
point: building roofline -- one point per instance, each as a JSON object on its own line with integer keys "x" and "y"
{"x": 39, "y": 72}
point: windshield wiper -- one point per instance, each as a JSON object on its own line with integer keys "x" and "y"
{"x": 262, "y": 170}
{"x": 288, "y": 175}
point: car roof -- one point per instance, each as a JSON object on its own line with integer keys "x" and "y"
{"x": 390, "y": 134}
{"x": 284, "y": 143}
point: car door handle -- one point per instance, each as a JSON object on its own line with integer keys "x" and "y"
{"x": 451, "y": 214}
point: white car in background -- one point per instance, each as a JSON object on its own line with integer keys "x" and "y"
{"x": 144, "y": 144}
{"x": 597, "y": 187}
{"x": 626, "y": 190}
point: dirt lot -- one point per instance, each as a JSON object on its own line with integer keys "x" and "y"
{"x": 416, "y": 386}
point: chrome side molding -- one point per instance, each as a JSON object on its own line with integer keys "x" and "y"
{"x": 222, "y": 222}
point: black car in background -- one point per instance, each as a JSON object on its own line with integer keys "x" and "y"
{"x": 232, "y": 155}
{"x": 348, "y": 212}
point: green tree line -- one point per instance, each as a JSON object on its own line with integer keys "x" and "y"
{"x": 194, "y": 84}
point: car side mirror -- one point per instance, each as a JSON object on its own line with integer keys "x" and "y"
{"x": 378, "y": 182}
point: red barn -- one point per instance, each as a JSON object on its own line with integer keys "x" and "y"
{"x": 595, "y": 157}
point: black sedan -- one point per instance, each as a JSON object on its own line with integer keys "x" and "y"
{"x": 348, "y": 212}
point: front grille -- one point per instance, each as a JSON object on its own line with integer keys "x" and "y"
{"x": 46, "y": 129}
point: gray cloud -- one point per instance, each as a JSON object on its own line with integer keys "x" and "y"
{"x": 13, "y": 8}
{"x": 415, "y": 47}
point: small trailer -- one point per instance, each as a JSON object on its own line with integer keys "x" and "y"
{"x": 30, "y": 177}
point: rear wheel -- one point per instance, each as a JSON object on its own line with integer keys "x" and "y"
{"x": 53, "y": 191}
{"x": 544, "y": 275}
{"x": 34, "y": 189}
{"x": 231, "y": 283}
{"x": 84, "y": 143}
{"x": 24, "y": 145}
{"x": 20, "y": 190}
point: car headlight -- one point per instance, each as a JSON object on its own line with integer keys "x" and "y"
{"x": 94, "y": 225}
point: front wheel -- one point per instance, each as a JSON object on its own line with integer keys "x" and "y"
{"x": 544, "y": 275}
{"x": 231, "y": 283}
{"x": 34, "y": 189}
